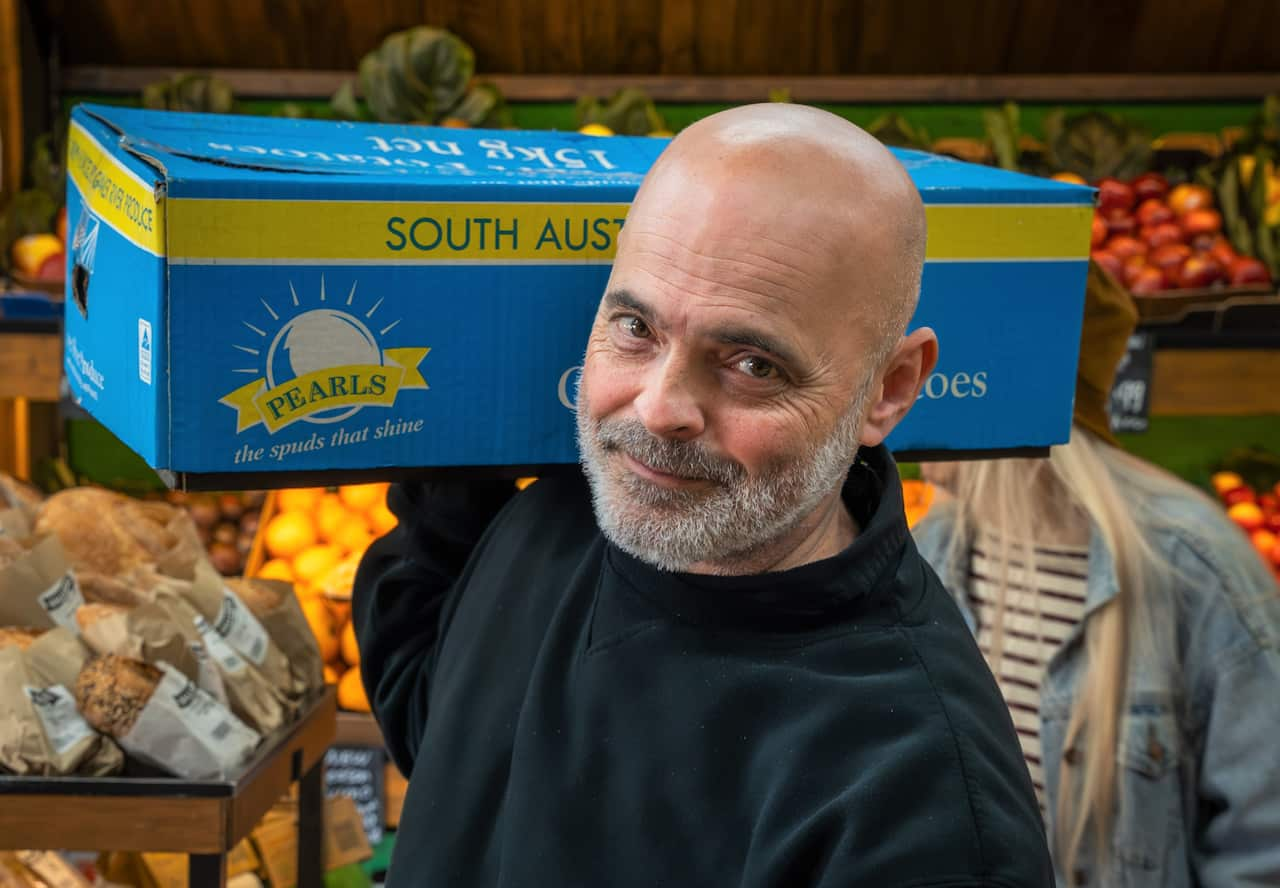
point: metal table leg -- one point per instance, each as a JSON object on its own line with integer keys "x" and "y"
{"x": 207, "y": 870}
{"x": 311, "y": 828}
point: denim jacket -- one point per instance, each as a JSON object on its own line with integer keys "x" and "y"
{"x": 1199, "y": 754}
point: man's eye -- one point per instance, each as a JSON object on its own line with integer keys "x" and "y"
{"x": 758, "y": 367}
{"x": 635, "y": 327}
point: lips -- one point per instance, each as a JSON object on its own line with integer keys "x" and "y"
{"x": 658, "y": 476}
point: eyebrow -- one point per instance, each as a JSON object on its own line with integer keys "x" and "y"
{"x": 731, "y": 335}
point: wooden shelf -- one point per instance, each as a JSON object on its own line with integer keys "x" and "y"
{"x": 1215, "y": 382}
{"x": 299, "y": 84}
{"x": 205, "y": 819}
{"x": 30, "y": 365}
{"x": 357, "y": 729}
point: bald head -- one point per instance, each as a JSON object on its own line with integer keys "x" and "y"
{"x": 812, "y": 183}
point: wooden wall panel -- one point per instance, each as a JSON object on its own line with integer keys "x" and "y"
{"x": 692, "y": 37}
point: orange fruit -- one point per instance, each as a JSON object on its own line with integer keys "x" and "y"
{"x": 382, "y": 519}
{"x": 350, "y": 649}
{"x": 314, "y": 562}
{"x": 331, "y": 674}
{"x": 522, "y": 483}
{"x": 329, "y": 514}
{"x": 298, "y": 499}
{"x": 362, "y": 497}
{"x": 277, "y": 569}
{"x": 352, "y": 535}
{"x": 351, "y": 693}
{"x": 322, "y": 628}
{"x": 338, "y": 609}
{"x": 288, "y": 533}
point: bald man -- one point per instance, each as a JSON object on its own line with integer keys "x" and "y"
{"x": 715, "y": 657}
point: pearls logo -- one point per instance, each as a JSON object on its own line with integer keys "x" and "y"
{"x": 320, "y": 365}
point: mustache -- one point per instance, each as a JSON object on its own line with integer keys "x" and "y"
{"x": 686, "y": 459}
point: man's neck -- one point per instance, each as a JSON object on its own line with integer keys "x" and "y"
{"x": 827, "y": 531}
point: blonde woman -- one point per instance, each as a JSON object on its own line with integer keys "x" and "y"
{"x": 1135, "y": 634}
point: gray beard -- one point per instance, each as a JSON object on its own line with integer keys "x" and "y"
{"x": 728, "y": 520}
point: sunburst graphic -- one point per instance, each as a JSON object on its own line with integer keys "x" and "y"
{"x": 291, "y": 341}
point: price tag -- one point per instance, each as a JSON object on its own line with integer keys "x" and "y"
{"x": 62, "y": 722}
{"x": 62, "y": 600}
{"x": 1131, "y": 395}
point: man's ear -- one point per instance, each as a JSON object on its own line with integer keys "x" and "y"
{"x": 904, "y": 375}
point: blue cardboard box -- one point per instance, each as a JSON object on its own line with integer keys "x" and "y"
{"x": 281, "y": 298}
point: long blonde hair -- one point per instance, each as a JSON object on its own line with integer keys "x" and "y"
{"x": 1084, "y": 487}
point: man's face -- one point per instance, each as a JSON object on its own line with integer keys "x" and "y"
{"x": 725, "y": 379}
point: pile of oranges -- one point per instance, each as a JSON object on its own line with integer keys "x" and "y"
{"x": 917, "y": 497}
{"x": 315, "y": 539}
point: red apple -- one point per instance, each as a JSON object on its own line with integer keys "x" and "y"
{"x": 1242, "y": 494}
{"x": 1273, "y": 522}
{"x": 1247, "y": 516}
{"x": 1200, "y": 270}
{"x": 1098, "y": 233}
{"x": 1203, "y": 243}
{"x": 1269, "y": 503}
{"x": 1247, "y": 270}
{"x": 1114, "y": 195}
{"x": 1223, "y": 251}
{"x": 1275, "y": 560}
{"x": 1119, "y": 222}
{"x": 1110, "y": 261}
{"x": 54, "y": 268}
{"x": 1124, "y": 246}
{"x": 1153, "y": 211}
{"x": 1201, "y": 221}
{"x": 1167, "y": 256}
{"x": 1148, "y": 280}
{"x": 1265, "y": 542}
{"x": 1159, "y": 235}
{"x": 1187, "y": 197}
{"x": 1224, "y": 481}
{"x": 1149, "y": 185}
{"x": 1132, "y": 268}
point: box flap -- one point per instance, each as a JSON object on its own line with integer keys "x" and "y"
{"x": 271, "y": 151}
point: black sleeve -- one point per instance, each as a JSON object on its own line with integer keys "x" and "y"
{"x": 399, "y": 592}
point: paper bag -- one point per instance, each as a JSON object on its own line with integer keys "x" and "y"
{"x": 39, "y": 588}
{"x": 41, "y": 732}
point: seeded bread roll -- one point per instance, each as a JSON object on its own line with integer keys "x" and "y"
{"x": 111, "y": 692}
{"x": 260, "y": 598}
{"x": 18, "y": 636}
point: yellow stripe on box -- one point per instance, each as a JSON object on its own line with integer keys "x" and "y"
{"x": 257, "y": 231}
{"x": 114, "y": 193}
{"x": 230, "y": 230}
{"x": 1007, "y": 232}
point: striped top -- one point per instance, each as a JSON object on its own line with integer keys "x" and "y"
{"x": 1037, "y": 618}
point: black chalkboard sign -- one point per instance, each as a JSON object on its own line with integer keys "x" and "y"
{"x": 359, "y": 772}
{"x": 1131, "y": 394}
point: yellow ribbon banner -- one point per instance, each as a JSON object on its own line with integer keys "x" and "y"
{"x": 354, "y": 385}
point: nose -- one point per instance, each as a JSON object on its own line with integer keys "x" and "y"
{"x": 668, "y": 403}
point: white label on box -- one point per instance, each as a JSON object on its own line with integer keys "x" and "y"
{"x": 62, "y": 722}
{"x": 218, "y": 648}
{"x": 144, "y": 351}
{"x": 61, "y": 602}
{"x": 241, "y": 629}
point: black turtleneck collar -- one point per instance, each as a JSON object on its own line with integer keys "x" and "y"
{"x": 853, "y": 583}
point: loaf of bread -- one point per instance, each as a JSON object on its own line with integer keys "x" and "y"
{"x": 18, "y": 494}
{"x": 91, "y": 612}
{"x": 18, "y": 636}
{"x": 10, "y": 551}
{"x": 83, "y": 519}
{"x": 111, "y": 692}
{"x": 261, "y": 598}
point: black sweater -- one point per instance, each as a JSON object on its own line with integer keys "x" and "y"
{"x": 570, "y": 716}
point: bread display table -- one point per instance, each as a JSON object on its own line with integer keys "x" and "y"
{"x": 204, "y": 819}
